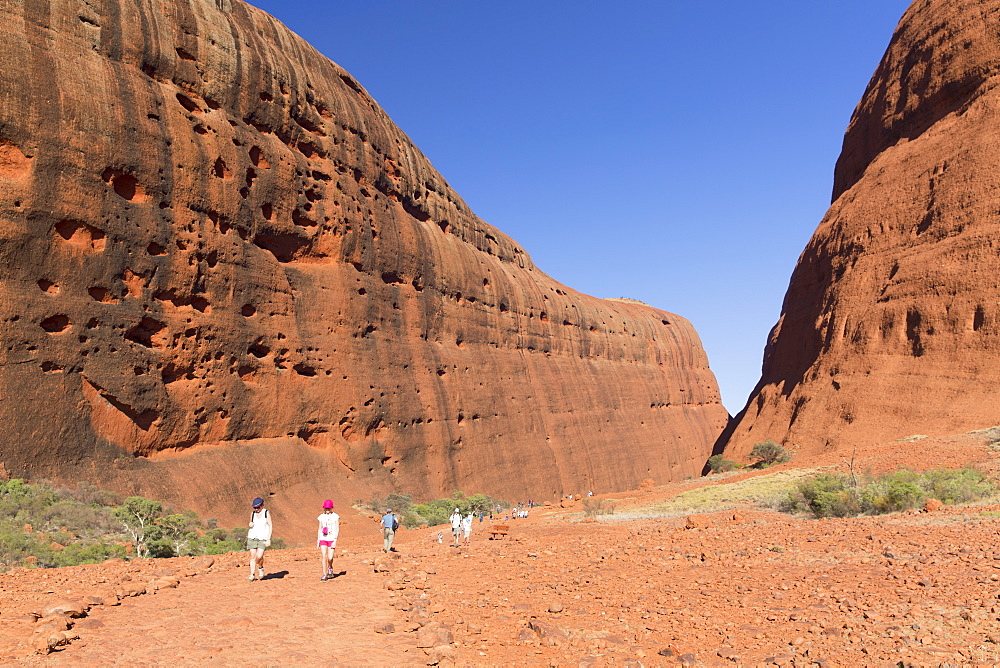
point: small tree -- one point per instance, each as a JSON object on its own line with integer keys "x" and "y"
{"x": 769, "y": 453}
{"x": 178, "y": 529}
{"x": 719, "y": 465}
{"x": 137, "y": 514}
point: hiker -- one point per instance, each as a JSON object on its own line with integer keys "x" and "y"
{"x": 456, "y": 525}
{"x": 467, "y": 528}
{"x": 389, "y": 525}
{"x": 258, "y": 538}
{"x": 326, "y": 538}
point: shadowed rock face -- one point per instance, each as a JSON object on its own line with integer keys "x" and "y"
{"x": 225, "y": 272}
{"x": 890, "y": 326}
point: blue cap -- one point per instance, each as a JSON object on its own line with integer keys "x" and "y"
{"x": 258, "y": 502}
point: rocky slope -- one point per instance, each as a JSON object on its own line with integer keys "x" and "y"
{"x": 890, "y": 325}
{"x": 225, "y": 272}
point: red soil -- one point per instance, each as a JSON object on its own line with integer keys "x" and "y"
{"x": 745, "y": 587}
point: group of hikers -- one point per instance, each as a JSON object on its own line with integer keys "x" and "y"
{"x": 260, "y": 528}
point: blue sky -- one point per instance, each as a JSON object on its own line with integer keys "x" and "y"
{"x": 676, "y": 152}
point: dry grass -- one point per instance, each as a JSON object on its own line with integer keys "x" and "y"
{"x": 764, "y": 489}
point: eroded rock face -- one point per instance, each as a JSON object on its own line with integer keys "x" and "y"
{"x": 890, "y": 325}
{"x": 212, "y": 236}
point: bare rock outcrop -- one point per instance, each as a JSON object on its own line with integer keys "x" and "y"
{"x": 890, "y": 325}
{"x": 225, "y": 272}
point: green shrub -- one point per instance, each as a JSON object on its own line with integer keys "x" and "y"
{"x": 42, "y": 525}
{"x": 835, "y": 495}
{"x": 768, "y": 453}
{"x": 719, "y": 465}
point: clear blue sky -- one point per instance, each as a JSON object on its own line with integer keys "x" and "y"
{"x": 679, "y": 152}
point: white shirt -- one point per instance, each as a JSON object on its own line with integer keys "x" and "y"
{"x": 331, "y": 521}
{"x": 456, "y": 520}
{"x": 261, "y": 529}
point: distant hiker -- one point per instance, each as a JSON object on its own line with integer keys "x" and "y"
{"x": 389, "y": 525}
{"x": 456, "y": 525}
{"x": 258, "y": 538}
{"x": 440, "y": 536}
{"x": 326, "y": 538}
{"x": 467, "y": 528}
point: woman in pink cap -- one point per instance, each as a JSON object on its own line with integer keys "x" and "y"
{"x": 326, "y": 538}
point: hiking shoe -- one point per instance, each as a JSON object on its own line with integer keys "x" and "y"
{"x": 324, "y": 578}
{"x": 251, "y": 578}
{"x": 260, "y": 573}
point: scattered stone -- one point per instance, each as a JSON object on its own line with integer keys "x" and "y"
{"x": 385, "y": 628}
{"x": 555, "y": 608}
{"x": 68, "y": 607}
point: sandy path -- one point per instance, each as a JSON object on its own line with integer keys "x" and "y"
{"x": 289, "y": 618}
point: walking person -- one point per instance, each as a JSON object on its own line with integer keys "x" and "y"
{"x": 456, "y": 525}
{"x": 467, "y": 528}
{"x": 389, "y": 525}
{"x": 326, "y": 538}
{"x": 258, "y": 538}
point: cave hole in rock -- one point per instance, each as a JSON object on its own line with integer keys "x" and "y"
{"x": 155, "y": 249}
{"x": 81, "y": 235}
{"x": 284, "y": 246}
{"x": 48, "y": 286}
{"x": 183, "y": 54}
{"x": 259, "y": 350}
{"x": 144, "y": 332}
{"x": 267, "y": 211}
{"x": 125, "y": 185}
{"x": 248, "y": 310}
{"x": 979, "y": 319}
{"x": 257, "y": 158}
{"x": 55, "y": 323}
{"x": 188, "y": 104}
{"x": 221, "y": 170}
{"x": 304, "y": 370}
{"x": 101, "y": 294}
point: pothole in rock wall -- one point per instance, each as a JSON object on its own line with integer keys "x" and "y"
{"x": 14, "y": 164}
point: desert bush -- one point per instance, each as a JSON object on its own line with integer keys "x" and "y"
{"x": 596, "y": 507}
{"x": 719, "y": 465}
{"x": 768, "y": 453}
{"x": 439, "y": 510}
{"x": 42, "y": 525}
{"x": 836, "y": 495}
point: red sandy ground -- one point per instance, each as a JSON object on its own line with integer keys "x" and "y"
{"x": 744, "y": 587}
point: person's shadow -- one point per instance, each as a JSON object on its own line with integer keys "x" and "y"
{"x": 337, "y": 575}
{"x": 277, "y": 575}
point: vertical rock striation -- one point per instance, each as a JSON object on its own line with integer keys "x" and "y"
{"x": 890, "y": 326}
{"x": 225, "y": 271}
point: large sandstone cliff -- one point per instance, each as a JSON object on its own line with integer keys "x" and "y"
{"x": 225, "y": 272}
{"x": 890, "y": 326}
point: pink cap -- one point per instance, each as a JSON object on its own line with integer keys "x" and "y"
{"x": 328, "y": 504}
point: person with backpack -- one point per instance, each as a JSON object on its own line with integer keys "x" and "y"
{"x": 258, "y": 538}
{"x": 389, "y": 525}
{"x": 326, "y": 538}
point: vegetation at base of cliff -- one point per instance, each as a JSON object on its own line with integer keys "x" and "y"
{"x": 841, "y": 495}
{"x": 47, "y": 526}
{"x": 716, "y": 464}
{"x": 435, "y": 512}
{"x": 769, "y": 453}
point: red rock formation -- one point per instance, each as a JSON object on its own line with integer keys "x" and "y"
{"x": 890, "y": 325}
{"x": 226, "y": 272}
